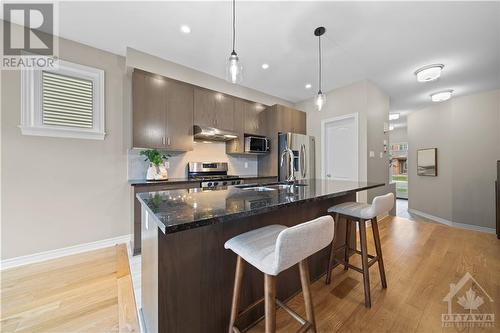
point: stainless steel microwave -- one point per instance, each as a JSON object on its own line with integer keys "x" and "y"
{"x": 256, "y": 144}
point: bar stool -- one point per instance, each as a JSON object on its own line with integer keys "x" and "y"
{"x": 273, "y": 249}
{"x": 361, "y": 212}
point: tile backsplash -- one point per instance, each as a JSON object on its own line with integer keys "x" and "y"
{"x": 212, "y": 152}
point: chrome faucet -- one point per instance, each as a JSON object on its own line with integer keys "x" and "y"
{"x": 289, "y": 152}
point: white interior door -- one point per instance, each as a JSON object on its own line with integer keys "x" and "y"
{"x": 340, "y": 148}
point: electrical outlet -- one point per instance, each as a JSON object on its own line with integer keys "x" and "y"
{"x": 372, "y": 153}
{"x": 246, "y": 165}
{"x": 167, "y": 164}
{"x": 381, "y": 155}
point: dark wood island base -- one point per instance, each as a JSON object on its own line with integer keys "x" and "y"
{"x": 188, "y": 276}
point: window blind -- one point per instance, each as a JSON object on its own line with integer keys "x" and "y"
{"x": 67, "y": 101}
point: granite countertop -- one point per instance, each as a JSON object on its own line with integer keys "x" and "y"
{"x": 178, "y": 210}
{"x": 135, "y": 182}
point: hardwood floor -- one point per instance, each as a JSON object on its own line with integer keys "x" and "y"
{"x": 92, "y": 292}
{"x": 421, "y": 261}
{"x": 88, "y": 292}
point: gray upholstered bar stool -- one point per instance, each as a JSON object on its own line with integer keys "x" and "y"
{"x": 272, "y": 249}
{"x": 361, "y": 212}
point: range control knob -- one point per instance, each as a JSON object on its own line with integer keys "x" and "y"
{"x": 209, "y": 184}
{"x": 224, "y": 183}
{"x": 216, "y": 183}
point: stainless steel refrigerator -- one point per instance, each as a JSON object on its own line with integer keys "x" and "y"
{"x": 297, "y": 150}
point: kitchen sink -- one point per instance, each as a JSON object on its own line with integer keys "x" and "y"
{"x": 258, "y": 188}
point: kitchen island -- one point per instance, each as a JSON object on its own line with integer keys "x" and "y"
{"x": 187, "y": 275}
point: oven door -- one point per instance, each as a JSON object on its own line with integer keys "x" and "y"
{"x": 255, "y": 144}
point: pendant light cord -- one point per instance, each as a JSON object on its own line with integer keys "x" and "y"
{"x": 319, "y": 44}
{"x": 234, "y": 24}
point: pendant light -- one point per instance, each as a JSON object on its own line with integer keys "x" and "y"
{"x": 320, "y": 98}
{"x": 234, "y": 69}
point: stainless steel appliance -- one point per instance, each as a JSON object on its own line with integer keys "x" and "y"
{"x": 497, "y": 194}
{"x": 212, "y": 174}
{"x": 296, "y": 156}
{"x": 256, "y": 144}
{"x": 212, "y": 134}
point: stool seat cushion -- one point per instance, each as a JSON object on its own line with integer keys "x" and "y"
{"x": 354, "y": 209}
{"x": 380, "y": 205}
{"x": 257, "y": 247}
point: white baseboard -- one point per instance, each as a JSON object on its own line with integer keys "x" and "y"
{"x": 451, "y": 223}
{"x": 65, "y": 251}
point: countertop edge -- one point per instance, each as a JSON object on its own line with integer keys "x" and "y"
{"x": 143, "y": 182}
{"x": 229, "y": 217}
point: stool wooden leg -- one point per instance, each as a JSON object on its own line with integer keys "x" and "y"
{"x": 364, "y": 259}
{"x": 304, "y": 280}
{"x": 347, "y": 240}
{"x": 270, "y": 302}
{"x": 378, "y": 248}
{"x": 332, "y": 252}
{"x": 238, "y": 278}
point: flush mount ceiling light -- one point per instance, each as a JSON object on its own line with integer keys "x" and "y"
{"x": 308, "y": 86}
{"x": 185, "y": 29}
{"x": 265, "y": 66}
{"x": 441, "y": 96}
{"x": 234, "y": 69}
{"x": 393, "y": 116}
{"x": 429, "y": 73}
{"x": 320, "y": 97}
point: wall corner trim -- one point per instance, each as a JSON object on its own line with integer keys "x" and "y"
{"x": 451, "y": 223}
{"x": 62, "y": 252}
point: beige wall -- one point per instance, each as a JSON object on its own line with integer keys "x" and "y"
{"x": 372, "y": 107}
{"x": 398, "y": 135}
{"x": 465, "y": 130}
{"x": 150, "y": 63}
{"x": 59, "y": 192}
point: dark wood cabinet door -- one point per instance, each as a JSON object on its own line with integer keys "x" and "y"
{"x": 179, "y": 124}
{"x": 149, "y": 111}
{"x": 204, "y": 107}
{"x": 224, "y": 111}
{"x": 237, "y": 146}
{"x": 299, "y": 122}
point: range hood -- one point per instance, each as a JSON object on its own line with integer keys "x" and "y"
{"x": 212, "y": 134}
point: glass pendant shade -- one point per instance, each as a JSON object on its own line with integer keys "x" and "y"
{"x": 320, "y": 100}
{"x": 234, "y": 69}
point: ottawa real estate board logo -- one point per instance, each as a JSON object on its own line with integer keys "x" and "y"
{"x": 469, "y": 305}
{"x": 28, "y": 36}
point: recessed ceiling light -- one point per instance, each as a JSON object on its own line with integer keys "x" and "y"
{"x": 429, "y": 73}
{"x": 393, "y": 116}
{"x": 441, "y": 96}
{"x": 308, "y": 86}
{"x": 265, "y": 66}
{"x": 185, "y": 29}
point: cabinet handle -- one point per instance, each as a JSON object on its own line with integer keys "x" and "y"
{"x": 168, "y": 141}
{"x": 162, "y": 140}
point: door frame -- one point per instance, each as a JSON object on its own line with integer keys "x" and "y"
{"x": 324, "y": 122}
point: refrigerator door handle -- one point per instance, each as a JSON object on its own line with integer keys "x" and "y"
{"x": 304, "y": 161}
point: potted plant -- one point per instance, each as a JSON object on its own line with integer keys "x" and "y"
{"x": 156, "y": 170}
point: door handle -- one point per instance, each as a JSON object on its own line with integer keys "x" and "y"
{"x": 304, "y": 156}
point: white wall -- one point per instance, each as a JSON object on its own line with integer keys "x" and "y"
{"x": 398, "y": 135}
{"x": 372, "y": 107}
{"x": 214, "y": 152}
{"x": 466, "y": 132}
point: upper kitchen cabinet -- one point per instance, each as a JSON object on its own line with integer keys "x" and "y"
{"x": 213, "y": 109}
{"x": 162, "y": 112}
{"x": 237, "y": 146}
{"x": 149, "y": 111}
{"x": 254, "y": 123}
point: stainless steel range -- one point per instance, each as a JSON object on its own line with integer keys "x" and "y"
{"x": 212, "y": 174}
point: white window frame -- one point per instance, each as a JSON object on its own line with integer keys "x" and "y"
{"x": 32, "y": 110}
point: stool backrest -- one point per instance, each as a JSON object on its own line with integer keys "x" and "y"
{"x": 296, "y": 243}
{"x": 382, "y": 204}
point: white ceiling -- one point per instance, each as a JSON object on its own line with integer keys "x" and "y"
{"x": 381, "y": 41}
